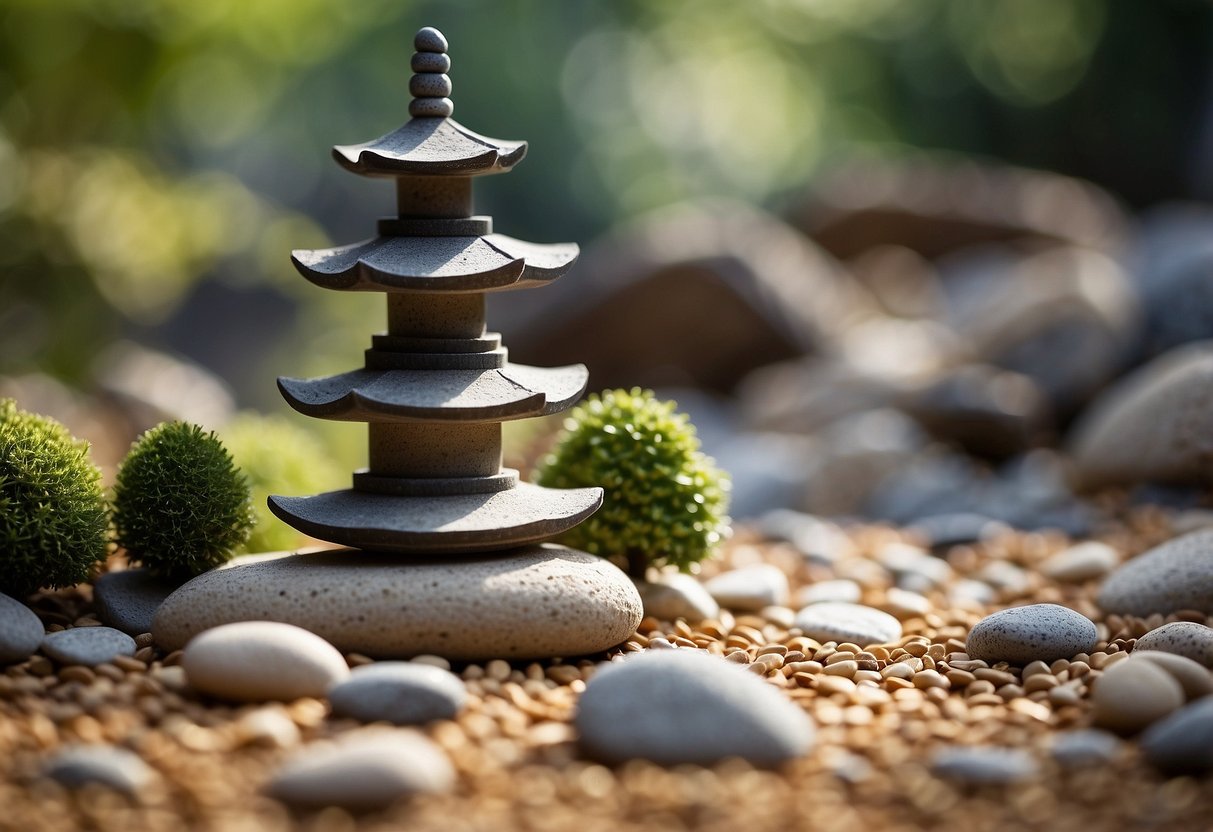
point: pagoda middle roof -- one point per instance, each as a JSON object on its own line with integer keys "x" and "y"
{"x": 429, "y": 146}
{"x": 436, "y": 264}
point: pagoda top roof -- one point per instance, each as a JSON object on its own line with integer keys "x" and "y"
{"x": 431, "y": 143}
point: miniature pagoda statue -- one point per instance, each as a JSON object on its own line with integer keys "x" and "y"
{"x": 435, "y": 388}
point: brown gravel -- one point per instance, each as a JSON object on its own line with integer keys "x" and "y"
{"x": 881, "y": 711}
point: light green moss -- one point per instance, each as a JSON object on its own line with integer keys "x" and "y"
{"x": 52, "y": 510}
{"x": 665, "y": 501}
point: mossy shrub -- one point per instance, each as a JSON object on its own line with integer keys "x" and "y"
{"x": 279, "y": 457}
{"x": 665, "y": 501}
{"x": 181, "y": 506}
{"x": 52, "y": 509}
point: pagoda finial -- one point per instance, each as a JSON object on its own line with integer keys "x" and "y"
{"x": 430, "y": 86}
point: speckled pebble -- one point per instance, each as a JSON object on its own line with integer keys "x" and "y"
{"x": 687, "y": 706}
{"x": 848, "y": 622}
{"x": 1182, "y": 743}
{"x": 105, "y": 765}
{"x": 1132, "y": 694}
{"x": 404, "y": 693}
{"x": 1025, "y": 634}
{"x": 750, "y": 588}
{"x": 128, "y": 600}
{"x": 840, "y": 589}
{"x": 1192, "y": 676}
{"x": 1176, "y": 575}
{"x": 980, "y": 765}
{"x": 1085, "y": 747}
{"x": 260, "y": 661}
{"x": 1184, "y": 638}
{"x": 535, "y": 602}
{"x": 87, "y": 645}
{"x": 21, "y": 631}
{"x": 363, "y": 771}
{"x": 1082, "y": 562}
{"x": 677, "y": 595}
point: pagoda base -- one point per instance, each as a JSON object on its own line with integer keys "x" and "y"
{"x": 452, "y": 524}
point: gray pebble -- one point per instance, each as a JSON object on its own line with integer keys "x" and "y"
{"x": 677, "y": 595}
{"x": 21, "y": 631}
{"x": 1182, "y": 743}
{"x": 1184, "y": 638}
{"x": 687, "y": 706}
{"x": 1087, "y": 747}
{"x": 1020, "y": 635}
{"x": 1176, "y": 575}
{"x": 750, "y": 588}
{"x": 128, "y": 599}
{"x": 115, "y": 768}
{"x": 980, "y": 765}
{"x": 363, "y": 771}
{"x": 88, "y": 645}
{"x": 404, "y": 693}
{"x": 848, "y": 622}
{"x": 429, "y": 39}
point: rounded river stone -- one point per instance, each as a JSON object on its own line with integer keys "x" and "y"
{"x": 405, "y": 693}
{"x": 534, "y": 602}
{"x": 106, "y": 765}
{"x": 1193, "y": 677}
{"x": 21, "y": 631}
{"x": 979, "y": 765}
{"x": 128, "y": 599}
{"x": 1183, "y": 638}
{"x": 1134, "y": 693}
{"x": 1182, "y": 743}
{"x": 88, "y": 645}
{"x": 687, "y": 706}
{"x": 1020, "y": 635}
{"x": 677, "y": 595}
{"x": 837, "y": 621}
{"x": 1175, "y": 575}
{"x": 259, "y": 661}
{"x": 750, "y": 588}
{"x": 363, "y": 771}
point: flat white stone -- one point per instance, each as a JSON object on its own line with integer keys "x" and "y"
{"x": 540, "y": 601}
{"x": 687, "y": 706}
{"x": 677, "y": 595}
{"x": 832, "y": 621}
{"x": 750, "y": 588}
{"x": 365, "y": 770}
{"x": 260, "y": 661}
{"x": 1082, "y": 562}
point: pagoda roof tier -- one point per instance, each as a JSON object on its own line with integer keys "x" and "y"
{"x": 515, "y": 391}
{"x": 492, "y": 262}
{"x": 430, "y": 146}
{"x": 454, "y": 524}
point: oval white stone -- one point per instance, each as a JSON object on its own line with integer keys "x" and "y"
{"x": 539, "y": 601}
{"x": 836, "y": 621}
{"x": 259, "y": 661}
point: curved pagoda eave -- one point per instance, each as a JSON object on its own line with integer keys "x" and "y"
{"x": 516, "y": 391}
{"x": 431, "y": 147}
{"x": 493, "y": 262}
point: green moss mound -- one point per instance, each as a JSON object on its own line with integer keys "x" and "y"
{"x": 279, "y": 457}
{"x": 665, "y": 501}
{"x": 52, "y": 510}
{"x": 181, "y": 506}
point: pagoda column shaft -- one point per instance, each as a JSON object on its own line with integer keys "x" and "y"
{"x": 416, "y": 315}
{"x": 434, "y": 197}
{"x": 434, "y": 450}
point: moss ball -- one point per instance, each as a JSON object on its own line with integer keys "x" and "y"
{"x": 665, "y": 502}
{"x": 279, "y": 457}
{"x": 181, "y": 506}
{"x": 52, "y": 509}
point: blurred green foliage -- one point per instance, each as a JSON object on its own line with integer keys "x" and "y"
{"x": 150, "y": 146}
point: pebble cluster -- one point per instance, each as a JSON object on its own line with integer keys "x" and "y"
{"x": 753, "y": 721}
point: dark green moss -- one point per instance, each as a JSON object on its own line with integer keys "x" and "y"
{"x": 181, "y": 506}
{"x": 665, "y": 501}
{"x": 52, "y": 510}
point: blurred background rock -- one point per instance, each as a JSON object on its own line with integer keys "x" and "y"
{"x": 885, "y": 253}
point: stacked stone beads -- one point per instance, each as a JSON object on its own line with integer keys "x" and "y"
{"x": 430, "y": 86}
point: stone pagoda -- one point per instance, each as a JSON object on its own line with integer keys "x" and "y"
{"x": 435, "y": 388}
